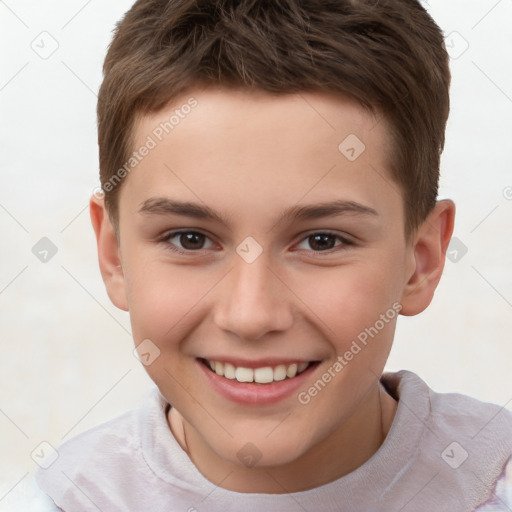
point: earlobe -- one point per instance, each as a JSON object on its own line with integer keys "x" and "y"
{"x": 428, "y": 254}
{"x": 109, "y": 255}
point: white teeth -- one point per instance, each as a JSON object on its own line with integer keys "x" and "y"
{"x": 244, "y": 374}
{"x": 264, "y": 375}
{"x": 229, "y": 371}
{"x": 280, "y": 372}
{"x": 291, "y": 371}
{"x": 219, "y": 368}
{"x": 302, "y": 367}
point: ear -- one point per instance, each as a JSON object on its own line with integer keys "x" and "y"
{"x": 428, "y": 256}
{"x": 109, "y": 254}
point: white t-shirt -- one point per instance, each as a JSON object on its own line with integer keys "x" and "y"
{"x": 444, "y": 452}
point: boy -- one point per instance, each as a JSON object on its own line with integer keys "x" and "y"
{"x": 270, "y": 176}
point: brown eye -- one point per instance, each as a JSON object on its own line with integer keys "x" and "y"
{"x": 183, "y": 241}
{"x": 323, "y": 241}
{"x": 191, "y": 241}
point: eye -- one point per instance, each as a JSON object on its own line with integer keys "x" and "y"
{"x": 193, "y": 241}
{"x": 323, "y": 241}
{"x": 187, "y": 241}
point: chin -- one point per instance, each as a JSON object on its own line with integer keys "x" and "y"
{"x": 263, "y": 452}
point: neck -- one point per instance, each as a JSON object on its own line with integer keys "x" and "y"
{"x": 340, "y": 453}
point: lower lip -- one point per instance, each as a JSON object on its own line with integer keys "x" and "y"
{"x": 247, "y": 393}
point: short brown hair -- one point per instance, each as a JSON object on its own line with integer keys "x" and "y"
{"x": 388, "y": 55}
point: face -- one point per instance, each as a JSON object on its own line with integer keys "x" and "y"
{"x": 263, "y": 238}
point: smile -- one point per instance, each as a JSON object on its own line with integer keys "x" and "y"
{"x": 263, "y": 375}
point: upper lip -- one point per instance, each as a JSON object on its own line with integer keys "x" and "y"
{"x": 257, "y": 363}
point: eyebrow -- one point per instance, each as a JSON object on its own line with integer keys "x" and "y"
{"x": 166, "y": 206}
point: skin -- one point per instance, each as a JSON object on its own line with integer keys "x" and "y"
{"x": 249, "y": 157}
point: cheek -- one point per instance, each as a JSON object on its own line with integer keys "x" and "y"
{"x": 163, "y": 296}
{"x": 358, "y": 308}
{"x": 349, "y": 299}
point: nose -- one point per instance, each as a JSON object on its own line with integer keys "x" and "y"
{"x": 254, "y": 301}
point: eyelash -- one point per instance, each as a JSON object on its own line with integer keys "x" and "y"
{"x": 166, "y": 239}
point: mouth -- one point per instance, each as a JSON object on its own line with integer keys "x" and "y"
{"x": 256, "y": 383}
{"x": 259, "y": 375}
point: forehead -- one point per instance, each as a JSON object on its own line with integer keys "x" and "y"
{"x": 247, "y": 114}
{"x": 242, "y": 143}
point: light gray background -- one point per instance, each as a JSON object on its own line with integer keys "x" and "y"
{"x": 67, "y": 361}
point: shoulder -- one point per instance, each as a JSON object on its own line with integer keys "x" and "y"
{"x": 108, "y": 436}
{"x": 111, "y": 450}
{"x": 484, "y": 426}
{"x": 465, "y": 444}
{"x": 453, "y": 412}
